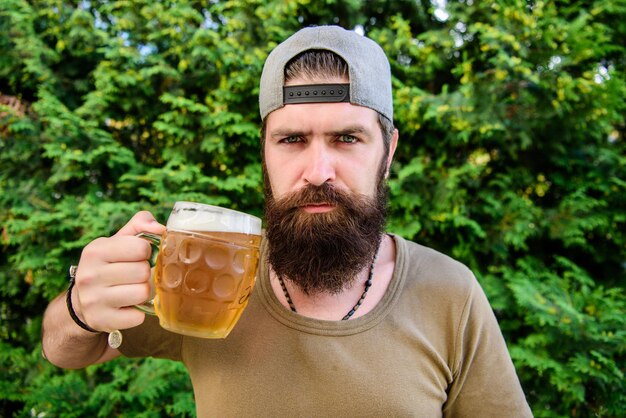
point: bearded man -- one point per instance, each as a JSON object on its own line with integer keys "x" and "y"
{"x": 346, "y": 320}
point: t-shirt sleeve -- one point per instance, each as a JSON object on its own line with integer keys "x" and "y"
{"x": 485, "y": 383}
{"x": 150, "y": 340}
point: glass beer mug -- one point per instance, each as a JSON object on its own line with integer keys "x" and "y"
{"x": 205, "y": 269}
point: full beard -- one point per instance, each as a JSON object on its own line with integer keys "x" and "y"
{"x": 324, "y": 252}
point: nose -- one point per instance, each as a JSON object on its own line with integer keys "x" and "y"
{"x": 319, "y": 165}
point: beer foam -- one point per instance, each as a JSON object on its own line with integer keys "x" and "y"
{"x": 206, "y": 218}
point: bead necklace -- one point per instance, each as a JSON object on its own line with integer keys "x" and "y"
{"x": 368, "y": 284}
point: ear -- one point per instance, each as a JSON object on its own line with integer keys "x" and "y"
{"x": 392, "y": 150}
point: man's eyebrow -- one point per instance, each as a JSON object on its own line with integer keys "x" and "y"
{"x": 284, "y": 133}
{"x": 349, "y": 130}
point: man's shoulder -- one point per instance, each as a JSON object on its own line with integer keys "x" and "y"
{"x": 428, "y": 267}
{"x": 428, "y": 257}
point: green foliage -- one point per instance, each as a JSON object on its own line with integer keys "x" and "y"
{"x": 576, "y": 340}
{"x": 512, "y": 158}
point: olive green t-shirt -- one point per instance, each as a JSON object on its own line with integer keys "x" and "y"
{"x": 430, "y": 348}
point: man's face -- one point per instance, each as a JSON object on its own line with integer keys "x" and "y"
{"x": 324, "y": 170}
{"x": 336, "y": 143}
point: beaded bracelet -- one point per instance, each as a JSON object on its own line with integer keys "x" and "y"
{"x": 70, "y": 308}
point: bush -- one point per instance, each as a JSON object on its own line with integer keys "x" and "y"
{"x": 511, "y": 158}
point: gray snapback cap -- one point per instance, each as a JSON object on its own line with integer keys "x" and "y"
{"x": 370, "y": 74}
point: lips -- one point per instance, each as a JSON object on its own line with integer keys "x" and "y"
{"x": 317, "y": 207}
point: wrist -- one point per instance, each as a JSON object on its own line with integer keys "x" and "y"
{"x": 70, "y": 304}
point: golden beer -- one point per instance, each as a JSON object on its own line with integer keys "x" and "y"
{"x": 205, "y": 269}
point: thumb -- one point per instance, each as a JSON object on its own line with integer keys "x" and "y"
{"x": 143, "y": 221}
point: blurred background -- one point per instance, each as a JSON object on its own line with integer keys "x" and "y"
{"x": 512, "y": 159}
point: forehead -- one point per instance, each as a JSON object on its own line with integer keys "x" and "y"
{"x": 316, "y": 117}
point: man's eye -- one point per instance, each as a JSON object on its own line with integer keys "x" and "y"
{"x": 290, "y": 140}
{"x": 348, "y": 139}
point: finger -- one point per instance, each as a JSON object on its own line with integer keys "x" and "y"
{"x": 97, "y": 307}
{"x": 142, "y": 222}
{"x": 129, "y": 318}
{"x": 113, "y": 297}
{"x": 115, "y": 249}
{"x": 114, "y": 319}
{"x": 113, "y": 274}
{"x": 125, "y": 296}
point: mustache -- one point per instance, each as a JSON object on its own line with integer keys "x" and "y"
{"x": 311, "y": 195}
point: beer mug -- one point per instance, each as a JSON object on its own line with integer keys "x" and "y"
{"x": 205, "y": 269}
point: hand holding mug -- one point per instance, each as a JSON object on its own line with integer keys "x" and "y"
{"x": 114, "y": 274}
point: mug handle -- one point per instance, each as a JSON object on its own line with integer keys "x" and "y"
{"x": 155, "y": 241}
